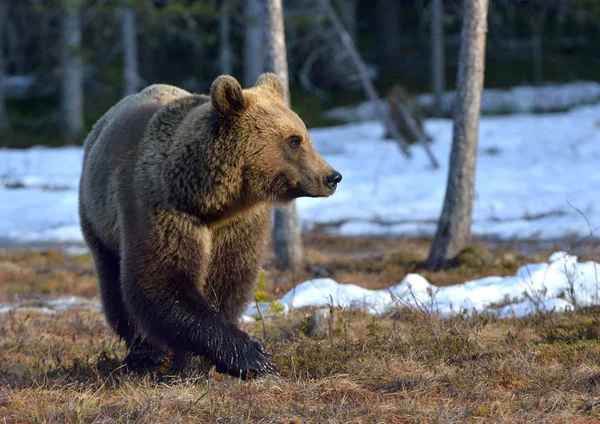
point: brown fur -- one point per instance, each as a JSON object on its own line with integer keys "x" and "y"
{"x": 175, "y": 203}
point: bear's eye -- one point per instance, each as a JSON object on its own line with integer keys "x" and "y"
{"x": 294, "y": 142}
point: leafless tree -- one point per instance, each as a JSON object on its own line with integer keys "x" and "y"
{"x": 71, "y": 100}
{"x": 438, "y": 75}
{"x": 454, "y": 228}
{"x": 286, "y": 234}
{"x": 131, "y": 74}
{"x": 3, "y": 20}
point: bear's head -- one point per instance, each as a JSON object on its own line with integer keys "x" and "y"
{"x": 278, "y": 159}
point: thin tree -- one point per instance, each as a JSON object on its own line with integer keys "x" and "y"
{"x": 3, "y": 20}
{"x": 454, "y": 227}
{"x": 286, "y": 234}
{"x": 71, "y": 100}
{"x": 254, "y": 41}
{"x": 438, "y": 75}
{"x": 131, "y": 76}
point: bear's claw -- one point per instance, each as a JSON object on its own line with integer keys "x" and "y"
{"x": 251, "y": 360}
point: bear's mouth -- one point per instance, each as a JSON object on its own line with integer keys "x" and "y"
{"x": 325, "y": 192}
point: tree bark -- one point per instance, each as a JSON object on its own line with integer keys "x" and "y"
{"x": 286, "y": 234}
{"x": 454, "y": 227}
{"x": 72, "y": 73}
{"x": 254, "y": 41}
{"x": 438, "y": 74}
{"x": 3, "y": 19}
{"x": 225, "y": 57}
{"x": 131, "y": 75}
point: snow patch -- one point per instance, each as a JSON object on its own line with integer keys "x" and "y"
{"x": 53, "y": 306}
{"x": 562, "y": 283}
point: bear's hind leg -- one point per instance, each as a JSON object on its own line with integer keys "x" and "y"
{"x": 107, "y": 266}
{"x": 142, "y": 355}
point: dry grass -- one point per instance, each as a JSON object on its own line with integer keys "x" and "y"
{"x": 66, "y": 368}
{"x": 395, "y": 369}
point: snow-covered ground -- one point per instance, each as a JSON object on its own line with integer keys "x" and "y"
{"x": 529, "y": 168}
{"x": 38, "y": 194}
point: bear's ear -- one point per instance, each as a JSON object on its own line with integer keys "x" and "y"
{"x": 271, "y": 82}
{"x": 226, "y": 95}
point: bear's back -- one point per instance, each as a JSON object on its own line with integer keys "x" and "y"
{"x": 111, "y": 147}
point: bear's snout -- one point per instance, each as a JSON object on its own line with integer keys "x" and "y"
{"x": 333, "y": 180}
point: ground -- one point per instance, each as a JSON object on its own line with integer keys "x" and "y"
{"x": 405, "y": 366}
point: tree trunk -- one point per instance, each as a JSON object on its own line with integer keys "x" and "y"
{"x": 286, "y": 234}
{"x": 438, "y": 74}
{"x": 454, "y": 228}
{"x": 3, "y": 19}
{"x": 131, "y": 75}
{"x": 388, "y": 29}
{"x": 72, "y": 73}
{"x": 225, "y": 57}
{"x": 254, "y": 41}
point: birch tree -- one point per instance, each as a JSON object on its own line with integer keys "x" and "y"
{"x": 454, "y": 227}
{"x": 286, "y": 234}
{"x": 71, "y": 99}
{"x": 131, "y": 76}
{"x": 3, "y": 20}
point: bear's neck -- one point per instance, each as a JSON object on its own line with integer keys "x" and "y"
{"x": 205, "y": 169}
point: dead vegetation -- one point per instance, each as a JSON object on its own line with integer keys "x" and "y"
{"x": 404, "y": 367}
{"x": 66, "y": 368}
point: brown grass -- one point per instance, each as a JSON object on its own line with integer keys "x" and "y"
{"x": 66, "y": 368}
{"x": 401, "y": 368}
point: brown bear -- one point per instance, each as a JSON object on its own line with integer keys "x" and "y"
{"x": 175, "y": 204}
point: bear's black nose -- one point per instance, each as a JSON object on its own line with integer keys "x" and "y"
{"x": 334, "y": 179}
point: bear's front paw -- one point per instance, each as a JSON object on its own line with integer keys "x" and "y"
{"x": 248, "y": 358}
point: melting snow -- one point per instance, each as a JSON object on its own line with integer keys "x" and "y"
{"x": 558, "y": 285}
